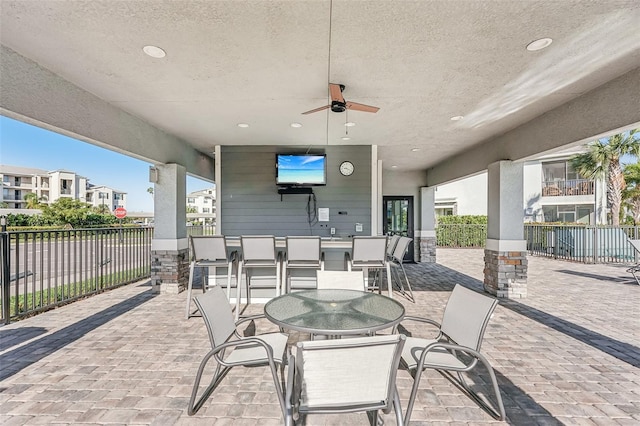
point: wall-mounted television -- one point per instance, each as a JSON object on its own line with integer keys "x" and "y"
{"x": 301, "y": 169}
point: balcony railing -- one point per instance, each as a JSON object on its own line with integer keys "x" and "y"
{"x": 569, "y": 187}
{"x": 44, "y": 269}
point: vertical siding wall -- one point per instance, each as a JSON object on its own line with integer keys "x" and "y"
{"x": 251, "y": 205}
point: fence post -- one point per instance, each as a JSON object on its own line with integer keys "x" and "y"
{"x": 6, "y": 250}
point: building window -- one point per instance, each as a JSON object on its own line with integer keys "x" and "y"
{"x": 569, "y": 213}
{"x": 205, "y": 210}
{"x": 191, "y": 200}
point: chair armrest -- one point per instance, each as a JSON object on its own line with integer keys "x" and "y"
{"x": 475, "y": 355}
{"x": 421, "y": 320}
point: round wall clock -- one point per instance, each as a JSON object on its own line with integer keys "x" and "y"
{"x": 346, "y": 168}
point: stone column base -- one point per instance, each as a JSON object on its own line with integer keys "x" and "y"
{"x": 169, "y": 270}
{"x": 427, "y": 249}
{"x": 505, "y": 273}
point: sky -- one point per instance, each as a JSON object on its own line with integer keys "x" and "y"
{"x": 30, "y": 146}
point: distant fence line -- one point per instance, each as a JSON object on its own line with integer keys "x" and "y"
{"x": 580, "y": 243}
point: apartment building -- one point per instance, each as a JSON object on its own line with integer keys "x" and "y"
{"x": 203, "y": 201}
{"x": 552, "y": 192}
{"x": 49, "y": 186}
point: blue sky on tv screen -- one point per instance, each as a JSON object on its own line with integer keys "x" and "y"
{"x": 301, "y": 169}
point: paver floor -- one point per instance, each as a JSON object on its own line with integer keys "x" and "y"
{"x": 567, "y": 354}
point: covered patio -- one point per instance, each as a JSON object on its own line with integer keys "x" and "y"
{"x": 567, "y": 354}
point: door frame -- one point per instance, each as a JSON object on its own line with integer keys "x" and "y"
{"x": 409, "y": 256}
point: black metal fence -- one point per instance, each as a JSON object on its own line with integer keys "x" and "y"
{"x": 579, "y": 243}
{"x": 44, "y": 269}
{"x": 587, "y": 244}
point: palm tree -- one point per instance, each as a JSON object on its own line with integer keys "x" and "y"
{"x": 32, "y": 200}
{"x": 603, "y": 160}
{"x": 631, "y": 194}
{"x": 150, "y": 191}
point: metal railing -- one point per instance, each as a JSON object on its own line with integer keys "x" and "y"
{"x": 587, "y": 244}
{"x": 559, "y": 188}
{"x": 44, "y": 269}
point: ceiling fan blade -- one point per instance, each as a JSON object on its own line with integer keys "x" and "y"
{"x": 317, "y": 109}
{"x": 336, "y": 92}
{"x": 361, "y": 107}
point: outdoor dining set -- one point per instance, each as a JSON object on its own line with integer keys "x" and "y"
{"x": 353, "y": 345}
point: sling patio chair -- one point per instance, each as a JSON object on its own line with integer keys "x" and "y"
{"x": 301, "y": 253}
{"x": 229, "y": 349}
{"x": 209, "y": 251}
{"x": 346, "y": 280}
{"x": 370, "y": 253}
{"x": 456, "y": 348}
{"x": 635, "y": 268}
{"x": 396, "y": 263}
{"x": 344, "y": 376}
{"x": 258, "y": 252}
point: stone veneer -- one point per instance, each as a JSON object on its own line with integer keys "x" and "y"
{"x": 169, "y": 270}
{"x": 427, "y": 249}
{"x": 505, "y": 273}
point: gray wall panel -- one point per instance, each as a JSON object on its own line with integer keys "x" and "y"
{"x": 250, "y": 203}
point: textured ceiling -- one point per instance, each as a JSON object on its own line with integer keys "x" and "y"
{"x": 265, "y": 62}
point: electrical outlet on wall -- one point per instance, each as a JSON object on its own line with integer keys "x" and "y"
{"x": 333, "y": 231}
{"x": 358, "y": 227}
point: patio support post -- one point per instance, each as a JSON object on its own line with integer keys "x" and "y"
{"x": 505, "y": 253}
{"x": 427, "y": 233}
{"x": 169, "y": 247}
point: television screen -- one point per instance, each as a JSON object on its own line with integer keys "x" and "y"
{"x": 301, "y": 169}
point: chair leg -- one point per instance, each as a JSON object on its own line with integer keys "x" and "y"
{"x": 412, "y": 397}
{"x": 397, "y": 407}
{"x": 406, "y": 279}
{"x": 389, "y": 286}
{"x": 194, "y": 405}
{"x": 238, "y": 290}
{"x": 189, "y": 287}
{"x": 498, "y": 414}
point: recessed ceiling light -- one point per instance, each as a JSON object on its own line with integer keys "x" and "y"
{"x": 539, "y": 44}
{"x": 457, "y": 118}
{"x": 154, "y": 52}
{"x": 346, "y": 138}
{"x": 349, "y": 124}
{"x": 243, "y": 125}
{"x": 415, "y": 149}
{"x": 394, "y": 167}
{"x": 296, "y": 125}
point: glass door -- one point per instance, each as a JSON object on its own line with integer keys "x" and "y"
{"x": 397, "y": 219}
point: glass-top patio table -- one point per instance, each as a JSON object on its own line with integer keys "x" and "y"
{"x": 334, "y": 312}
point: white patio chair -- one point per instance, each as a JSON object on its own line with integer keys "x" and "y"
{"x": 370, "y": 253}
{"x": 391, "y": 245}
{"x": 266, "y": 349}
{"x": 344, "y": 376}
{"x": 209, "y": 251}
{"x": 347, "y": 280}
{"x": 258, "y": 251}
{"x": 635, "y": 268}
{"x": 456, "y": 347}
{"x": 397, "y": 265}
{"x": 301, "y": 253}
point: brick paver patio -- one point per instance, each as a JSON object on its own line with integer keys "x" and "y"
{"x": 568, "y": 354}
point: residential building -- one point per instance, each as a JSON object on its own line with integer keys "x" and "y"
{"x": 100, "y": 195}
{"x": 49, "y": 186}
{"x": 204, "y": 203}
{"x": 552, "y": 190}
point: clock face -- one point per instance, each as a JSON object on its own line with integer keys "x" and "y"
{"x": 346, "y": 168}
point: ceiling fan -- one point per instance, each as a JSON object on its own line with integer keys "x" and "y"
{"x": 338, "y": 104}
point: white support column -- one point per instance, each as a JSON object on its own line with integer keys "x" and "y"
{"x": 427, "y": 233}
{"x": 169, "y": 247}
{"x": 218, "y": 177}
{"x": 505, "y": 272}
